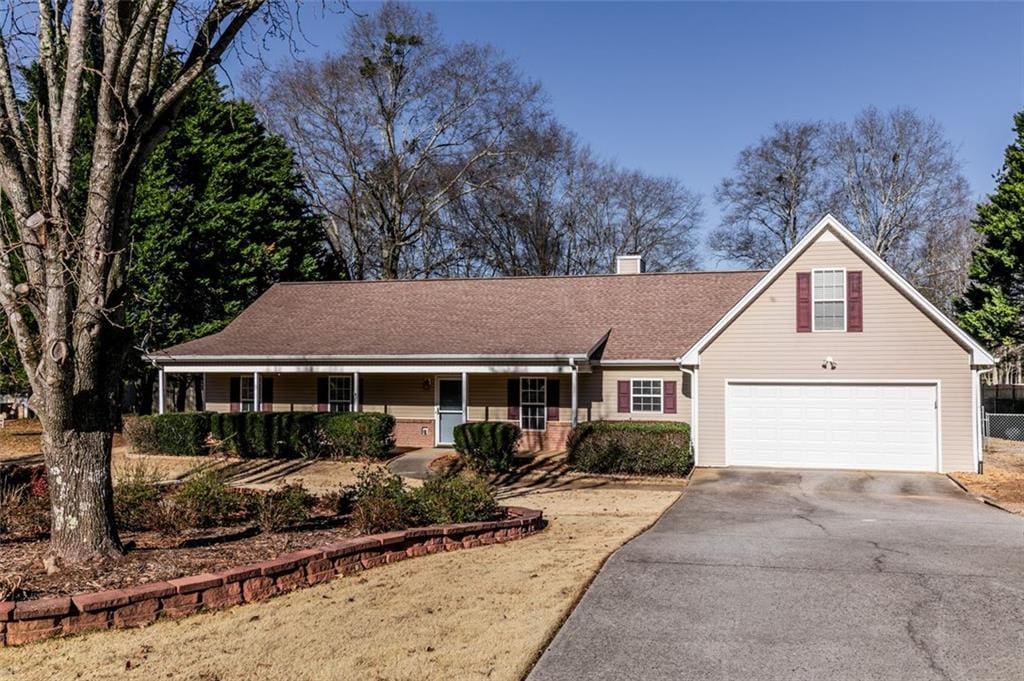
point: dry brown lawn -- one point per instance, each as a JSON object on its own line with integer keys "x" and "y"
{"x": 1003, "y": 479}
{"x": 483, "y": 613}
{"x": 19, "y": 438}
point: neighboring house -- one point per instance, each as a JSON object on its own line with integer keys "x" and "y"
{"x": 830, "y": 359}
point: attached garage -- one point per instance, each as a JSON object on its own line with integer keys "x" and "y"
{"x": 832, "y": 425}
{"x": 833, "y": 360}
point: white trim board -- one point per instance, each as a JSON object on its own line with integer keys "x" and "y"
{"x": 829, "y": 224}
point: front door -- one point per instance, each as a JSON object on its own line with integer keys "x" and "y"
{"x": 449, "y": 409}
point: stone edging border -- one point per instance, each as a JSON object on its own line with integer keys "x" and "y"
{"x": 36, "y": 620}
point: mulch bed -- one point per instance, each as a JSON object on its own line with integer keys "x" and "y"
{"x": 151, "y": 556}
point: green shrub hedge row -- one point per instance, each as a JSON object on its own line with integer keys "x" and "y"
{"x": 630, "y": 447}
{"x": 277, "y": 435}
{"x": 488, "y": 446}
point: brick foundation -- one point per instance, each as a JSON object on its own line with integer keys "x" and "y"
{"x": 552, "y": 439}
{"x": 29, "y": 621}
{"x": 409, "y": 433}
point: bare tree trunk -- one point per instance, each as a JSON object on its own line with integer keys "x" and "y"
{"x": 78, "y": 462}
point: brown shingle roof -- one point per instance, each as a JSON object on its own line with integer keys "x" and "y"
{"x": 647, "y": 316}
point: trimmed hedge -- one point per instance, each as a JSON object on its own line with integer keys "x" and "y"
{"x": 488, "y": 446}
{"x": 178, "y": 433}
{"x": 272, "y": 435}
{"x": 361, "y": 433}
{"x": 630, "y": 447}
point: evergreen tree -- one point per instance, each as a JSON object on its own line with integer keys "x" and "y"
{"x": 993, "y": 306}
{"x": 218, "y": 219}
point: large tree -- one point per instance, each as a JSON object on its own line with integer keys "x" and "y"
{"x": 389, "y": 132}
{"x": 62, "y": 267}
{"x": 900, "y": 178}
{"x": 558, "y": 209}
{"x": 780, "y": 188}
{"x": 218, "y": 209}
{"x": 993, "y": 306}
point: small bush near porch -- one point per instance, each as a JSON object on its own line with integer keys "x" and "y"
{"x": 488, "y": 446}
{"x": 273, "y": 435}
{"x": 631, "y": 448}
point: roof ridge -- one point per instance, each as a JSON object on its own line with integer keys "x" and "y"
{"x": 545, "y": 277}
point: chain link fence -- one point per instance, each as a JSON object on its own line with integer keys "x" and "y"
{"x": 1004, "y": 426}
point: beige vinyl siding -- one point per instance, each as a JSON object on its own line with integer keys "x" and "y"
{"x": 898, "y": 342}
{"x": 218, "y": 392}
{"x": 488, "y": 395}
{"x": 294, "y": 392}
{"x": 404, "y": 396}
{"x": 605, "y": 403}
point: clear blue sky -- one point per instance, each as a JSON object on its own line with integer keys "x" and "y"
{"x": 679, "y": 88}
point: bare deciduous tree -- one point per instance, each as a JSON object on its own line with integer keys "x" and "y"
{"x": 62, "y": 265}
{"x": 557, "y": 209}
{"x": 781, "y": 187}
{"x": 393, "y": 131}
{"x": 900, "y": 178}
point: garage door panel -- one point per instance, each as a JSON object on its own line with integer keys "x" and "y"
{"x": 888, "y": 427}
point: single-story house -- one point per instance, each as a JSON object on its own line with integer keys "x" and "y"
{"x": 830, "y": 359}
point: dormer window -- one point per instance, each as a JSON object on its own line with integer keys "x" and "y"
{"x": 829, "y": 291}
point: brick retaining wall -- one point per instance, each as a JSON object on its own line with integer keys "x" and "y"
{"x": 27, "y": 621}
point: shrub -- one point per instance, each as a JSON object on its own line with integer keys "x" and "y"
{"x": 456, "y": 499}
{"x": 178, "y": 433}
{"x": 383, "y": 503}
{"x": 140, "y": 432}
{"x": 630, "y": 447}
{"x": 281, "y": 508}
{"x": 137, "y": 499}
{"x": 205, "y": 500}
{"x": 360, "y": 434}
{"x": 488, "y": 445}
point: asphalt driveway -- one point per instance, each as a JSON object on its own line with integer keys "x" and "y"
{"x": 757, "y": 574}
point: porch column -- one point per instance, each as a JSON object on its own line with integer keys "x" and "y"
{"x": 161, "y": 389}
{"x": 256, "y": 396}
{"x": 575, "y": 394}
{"x": 357, "y": 399}
{"x": 465, "y": 397}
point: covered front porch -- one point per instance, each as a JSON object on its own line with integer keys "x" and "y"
{"x": 427, "y": 401}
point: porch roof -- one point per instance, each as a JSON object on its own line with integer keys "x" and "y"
{"x": 607, "y": 317}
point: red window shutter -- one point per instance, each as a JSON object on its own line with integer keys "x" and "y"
{"x": 624, "y": 397}
{"x": 322, "y": 394}
{"x": 513, "y": 400}
{"x": 552, "y": 399}
{"x": 854, "y": 301}
{"x": 267, "y": 394}
{"x": 803, "y": 301}
{"x": 669, "y": 397}
{"x": 235, "y": 393}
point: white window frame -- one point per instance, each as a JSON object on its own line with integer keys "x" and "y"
{"x": 523, "y": 403}
{"x": 332, "y": 401}
{"x": 246, "y": 383}
{"x": 843, "y": 300}
{"x": 633, "y": 394}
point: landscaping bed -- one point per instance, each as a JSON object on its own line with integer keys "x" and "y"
{"x": 202, "y": 524}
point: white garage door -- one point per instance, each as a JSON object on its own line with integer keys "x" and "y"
{"x": 879, "y": 427}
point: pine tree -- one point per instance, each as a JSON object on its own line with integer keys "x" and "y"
{"x": 218, "y": 219}
{"x": 993, "y": 306}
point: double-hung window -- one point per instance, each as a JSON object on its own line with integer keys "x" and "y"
{"x": 533, "y": 403}
{"x": 246, "y": 394}
{"x": 829, "y": 296}
{"x": 339, "y": 393}
{"x": 647, "y": 395}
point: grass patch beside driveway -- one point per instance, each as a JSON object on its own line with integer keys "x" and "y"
{"x": 1003, "y": 479}
{"x": 484, "y": 613}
